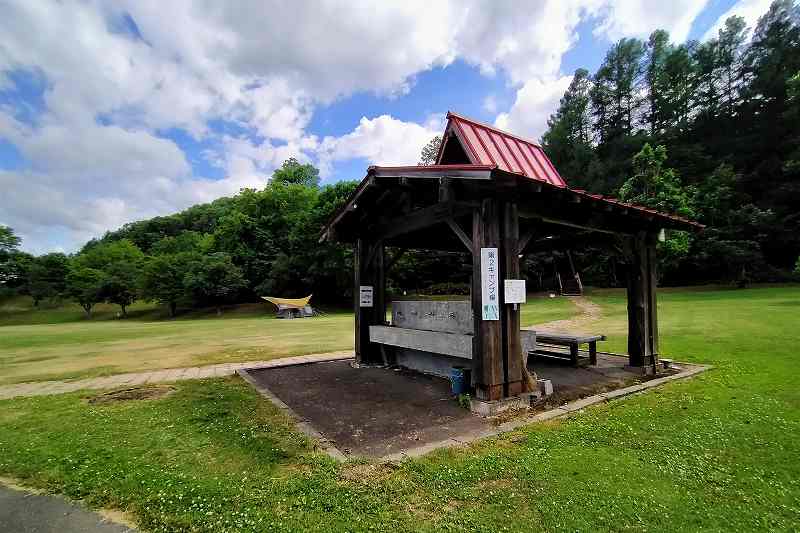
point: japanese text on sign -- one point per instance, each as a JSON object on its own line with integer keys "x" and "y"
{"x": 514, "y": 291}
{"x": 365, "y": 296}
{"x": 490, "y": 297}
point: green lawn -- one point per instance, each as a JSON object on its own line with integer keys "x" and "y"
{"x": 59, "y": 343}
{"x": 719, "y": 452}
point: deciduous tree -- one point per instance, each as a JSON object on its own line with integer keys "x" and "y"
{"x": 46, "y": 276}
{"x": 214, "y": 279}
{"x": 8, "y": 239}
{"x": 84, "y": 285}
{"x": 162, "y": 279}
{"x": 119, "y": 261}
{"x": 292, "y": 171}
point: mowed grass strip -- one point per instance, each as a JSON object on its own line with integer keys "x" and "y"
{"x": 716, "y": 453}
{"x": 104, "y": 345}
{"x": 88, "y": 348}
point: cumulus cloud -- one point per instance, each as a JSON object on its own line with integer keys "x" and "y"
{"x": 534, "y": 104}
{"x": 383, "y": 140}
{"x": 119, "y": 76}
{"x": 623, "y": 18}
{"x": 749, "y": 10}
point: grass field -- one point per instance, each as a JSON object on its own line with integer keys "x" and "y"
{"x": 716, "y": 453}
{"x": 60, "y": 343}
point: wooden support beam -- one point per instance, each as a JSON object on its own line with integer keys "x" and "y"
{"x": 369, "y": 273}
{"x": 361, "y": 328}
{"x": 379, "y": 301}
{"x": 588, "y": 225}
{"x": 417, "y": 220}
{"x": 462, "y": 236}
{"x": 652, "y": 269}
{"x": 515, "y": 375}
{"x": 373, "y": 252}
{"x": 424, "y": 172}
{"x": 524, "y": 240}
{"x": 642, "y": 306}
{"x": 446, "y": 190}
{"x": 487, "y": 350}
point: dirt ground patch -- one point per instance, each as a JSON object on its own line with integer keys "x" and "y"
{"x": 133, "y": 393}
{"x": 589, "y": 313}
{"x": 362, "y": 473}
{"x": 371, "y": 412}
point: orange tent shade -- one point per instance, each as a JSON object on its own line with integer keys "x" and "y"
{"x": 290, "y": 303}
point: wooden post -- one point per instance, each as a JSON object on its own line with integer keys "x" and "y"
{"x": 487, "y": 350}
{"x": 379, "y": 309}
{"x": 361, "y": 329}
{"x": 642, "y": 312}
{"x": 652, "y": 267}
{"x": 512, "y": 345}
{"x": 368, "y": 262}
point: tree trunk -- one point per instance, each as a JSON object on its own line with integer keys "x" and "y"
{"x": 88, "y": 309}
{"x": 219, "y": 310}
{"x": 124, "y": 311}
{"x": 172, "y": 307}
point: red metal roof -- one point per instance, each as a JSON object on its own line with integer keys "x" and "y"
{"x": 486, "y": 145}
{"x": 432, "y": 168}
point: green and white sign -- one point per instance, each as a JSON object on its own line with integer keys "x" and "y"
{"x": 490, "y": 288}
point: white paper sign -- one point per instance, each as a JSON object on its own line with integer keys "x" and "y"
{"x": 514, "y": 291}
{"x": 490, "y": 291}
{"x": 365, "y": 296}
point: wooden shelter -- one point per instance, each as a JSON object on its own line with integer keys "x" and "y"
{"x": 492, "y": 191}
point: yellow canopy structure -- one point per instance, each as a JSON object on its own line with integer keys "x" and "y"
{"x": 289, "y": 303}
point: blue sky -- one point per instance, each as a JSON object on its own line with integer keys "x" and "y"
{"x": 120, "y": 111}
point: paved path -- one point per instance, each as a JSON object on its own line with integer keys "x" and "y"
{"x": 43, "y": 388}
{"x": 23, "y": 512}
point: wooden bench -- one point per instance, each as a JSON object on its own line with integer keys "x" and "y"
{"x": 573, "y": 342}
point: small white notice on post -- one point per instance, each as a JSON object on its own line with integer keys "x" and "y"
{"x": 514, "y": 291}
{"x": 490, "y": 296}
{"x": 365, "y": 296}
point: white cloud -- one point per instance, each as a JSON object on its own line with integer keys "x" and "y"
{"x": 526, "y": 40}
{"x": 749, "y": 10}
{"x": 98, "y": 153}
{"x": 638, "y": 18}
{"x": 534, "y": 104}
{"x": 383, "y": 140}
{"x": 490, "y": 104}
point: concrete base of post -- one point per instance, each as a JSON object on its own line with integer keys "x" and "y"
{"x": 494, "y": 408}
{"x": 646, "y": 370}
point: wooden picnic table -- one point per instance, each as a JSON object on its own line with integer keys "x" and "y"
{"x": 572, "y": 341}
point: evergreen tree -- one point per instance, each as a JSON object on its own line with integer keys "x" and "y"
{"x": 568, "y": 138}
{"x": 430, "y": 151}
{"x": 617, "y": 92}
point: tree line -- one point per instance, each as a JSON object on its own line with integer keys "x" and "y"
{"x": 257, "y": 242}
{"x": 710, "y": 130}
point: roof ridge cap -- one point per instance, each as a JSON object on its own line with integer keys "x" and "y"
{"x": 493, "y": 128}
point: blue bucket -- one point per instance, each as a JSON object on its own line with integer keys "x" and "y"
{"x": 458, "y": 383}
